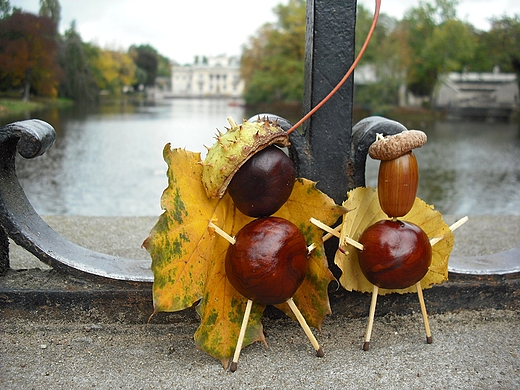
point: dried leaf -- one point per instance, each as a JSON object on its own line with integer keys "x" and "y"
{"x": 188, "y": 257}
{"x": 365, "y": 212}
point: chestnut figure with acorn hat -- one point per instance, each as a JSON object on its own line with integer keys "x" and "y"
{"x": 396, "y": 254}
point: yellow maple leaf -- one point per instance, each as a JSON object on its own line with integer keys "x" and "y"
{"x": 188, "y": 257}
{"x": 366, "y": 210}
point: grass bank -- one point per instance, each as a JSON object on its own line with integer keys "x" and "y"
{"x": 10, "y": 106}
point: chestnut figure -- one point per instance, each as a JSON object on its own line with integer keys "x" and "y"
{"x": 264, "y": 183}
{"x": 396, "y": 254}
{"x": 268, "y": 261}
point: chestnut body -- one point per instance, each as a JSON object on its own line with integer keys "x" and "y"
{"x": 268, "y": 261}
{"x": 397, "y": 184}
{"x": 396, "y": 254}
{"x": 264, "y": 183}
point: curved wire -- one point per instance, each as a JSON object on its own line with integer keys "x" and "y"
{"x": 347, "y": 75}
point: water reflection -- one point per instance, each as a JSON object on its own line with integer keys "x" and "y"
{"x": 108, "y": 160}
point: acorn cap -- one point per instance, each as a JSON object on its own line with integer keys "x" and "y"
{"x": 393, "y": 146}
{"x": 234, "y": 148}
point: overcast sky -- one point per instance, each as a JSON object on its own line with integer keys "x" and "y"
{"x": 181, "y": 29}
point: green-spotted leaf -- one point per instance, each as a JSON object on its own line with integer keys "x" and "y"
{"x": 188, "y": 256}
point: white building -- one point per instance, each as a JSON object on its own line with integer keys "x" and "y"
{"x": 478, "y": 94}
{"x": 210, "y": 77}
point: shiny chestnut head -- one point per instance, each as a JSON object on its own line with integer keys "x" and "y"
{"x": 268, "y": 261}
{"x": 264, "y": 183}
{"x": 396, "y": 254}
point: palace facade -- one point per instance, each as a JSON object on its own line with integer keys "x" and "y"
{"x": 217, "y": 76}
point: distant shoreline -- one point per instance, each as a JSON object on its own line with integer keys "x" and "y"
{"x": 10, "y": 106}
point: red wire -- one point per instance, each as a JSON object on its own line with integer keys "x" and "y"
{"x": 347, "y": 75}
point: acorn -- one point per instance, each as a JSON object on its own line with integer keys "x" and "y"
{"x": 398, "y": 177}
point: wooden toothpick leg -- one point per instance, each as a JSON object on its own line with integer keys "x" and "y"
{"x": 366, "y": 344}
{"x": 241, "y": 335}
{"x": 306, "y": 329}
{"x": 429, "y": 339}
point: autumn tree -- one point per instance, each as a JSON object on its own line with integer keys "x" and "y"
{"x": 273, "y": 61}
{"x": 78, "y": 81}
{"x": 113, "y": 69}
{"x": 28, "y": 54}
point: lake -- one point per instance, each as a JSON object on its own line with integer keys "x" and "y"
{"x": 107, "y": 160}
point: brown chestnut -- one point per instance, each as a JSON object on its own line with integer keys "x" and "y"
{"x": 264, "y": 183}
{"x": 396, "y": 254}
{"x": 268, "y": 261}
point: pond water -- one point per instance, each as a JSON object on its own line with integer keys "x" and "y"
{"x": 107, "y": 160}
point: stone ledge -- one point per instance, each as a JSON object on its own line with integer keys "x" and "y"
{"x": 32, "y": 287}
{"x": 50, "y": 293}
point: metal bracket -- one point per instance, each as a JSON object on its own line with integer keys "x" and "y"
{"x": 25, "y": 227}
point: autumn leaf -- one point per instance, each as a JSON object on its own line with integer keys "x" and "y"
{"x": 188, "y": 257}
{"x": 366, "y": 210}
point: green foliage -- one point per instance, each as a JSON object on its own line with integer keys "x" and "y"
{"x": 5, "y": 9}
{"x": 163, "y": 67}
{"x": 52, "y": 10}
{"x": 502, "y": 43}
{"x": 438, "y": 43}
{"x": 411, "y": 52}
{"x": 78, "y": 82}
{"x": 146, "y": 58}
{"x": 273, "y": 61}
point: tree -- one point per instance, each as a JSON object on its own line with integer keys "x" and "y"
{"x": 437, "y": 43}
{"x": 78, "y": 82}
{"x": 502, "y": 44}
{"x": 383, "y": 54}
{"x": 52, "y": 10}
{"x": 112, "y": 70}
{"x": 164, "y": 66}
{"x": 28, "y": 54}
{"x": 146, "y": 58}
{"x": 273, "y": 62}
{"x": 5, "y": 9}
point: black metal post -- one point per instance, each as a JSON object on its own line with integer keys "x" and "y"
{"x": 323, "y": 149}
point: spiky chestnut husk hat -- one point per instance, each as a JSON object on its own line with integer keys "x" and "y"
{"x": 234, "y": 148}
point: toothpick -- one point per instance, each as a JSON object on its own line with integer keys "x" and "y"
{"x": 368, "y": 333}
{"x": 306, "y": 329}
{"x": 334, "y": 232}
{"x": 311, "y": 247}
{"x": 429, "y": 339}
{"x": 222, "y": 233}
{"x": 325, "y": 227}
{"x": 459, "y": 223}
{"x": 456, "y": 225}
{"x": 241, "y": 335}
